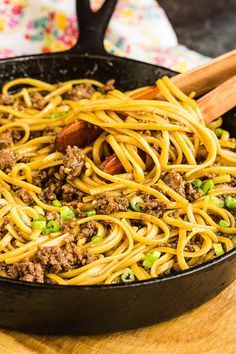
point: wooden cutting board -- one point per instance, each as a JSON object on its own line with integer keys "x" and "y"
{"x": 209, "y": 329}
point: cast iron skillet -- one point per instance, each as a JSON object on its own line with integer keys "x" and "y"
{"x": 97, "y": 309}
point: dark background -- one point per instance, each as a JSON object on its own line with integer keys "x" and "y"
{"x": 207, "y": 26}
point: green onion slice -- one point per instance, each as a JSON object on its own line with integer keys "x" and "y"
{"x": 230, "y": 202}
{"x": 39, "y": 224}
{"x": 127, "y": 276}
{"x": 218, "y": 132}
{"x": 66, "y": 213}
{"x": 218, "y": 249}
{"x": 196, "y": 183}
{"x": 56, "y": 203}
{"x": 224, "y": 223}
{"x": 97, "y": 239}
{"x": 217, "y": 201}
{"x": 52, "y": 226}
{"x": 136, "y": 202}
{"x": 151, "y": 258}
{"x": 90, "y": 212}
{"x": 57, "y": 115}
{"x": 207, "y": 186}
{"x": 39, "y": 210}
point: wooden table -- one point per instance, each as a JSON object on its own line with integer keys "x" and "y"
{"x": 209, "y": 329}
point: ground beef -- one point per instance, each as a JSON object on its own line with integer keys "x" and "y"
{"x": 70, "y": 193}
{"x": 73, "y": 162}
{"x": 152, "y": 206}
{"x": 192, "y": 193}
{"x": 61, "y": 259}
{"x": 72, "y": 228}
{"x": 17, "y": 135}
{"x": 88, "y": 230}
{"x": 233, "y": 181}
{"x": 25, "y": 196}
{"x": 53, "y": 215}
{"x": 6, "y": 99}
{"x": 52, "y": 190}
{"x": 79, "y": 92}
{"x": 107, "y": 204}
{"x": 7, "y": 160}
{"x": 40, "y": 177}
{"x": 175, "y": 213}
{"x": 5, "y": 139}
{"x": 175, "y": 181}
{"x": 54, "y": 259}
{"x": 201, "y": 155}
{"x": 3, "y": 230}
{"x": 189, "y": 248}
{"x": 109, "y": 86}
{"x": 38, "y": 100}
{"x": 168, "y": 244}
{"x": 48, "y": 260}
{"x": 25, "y": 270}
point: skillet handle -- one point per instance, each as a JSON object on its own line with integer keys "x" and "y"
{"x": 92, "y": 27}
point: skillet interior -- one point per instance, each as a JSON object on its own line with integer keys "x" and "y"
{"x": 98, "y": 309}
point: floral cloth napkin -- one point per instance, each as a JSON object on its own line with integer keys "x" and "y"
{"x": 138, "y": 30}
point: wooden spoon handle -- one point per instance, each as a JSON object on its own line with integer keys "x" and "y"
{"x": 201, "y": 79}
{"x": 218, "y": 101}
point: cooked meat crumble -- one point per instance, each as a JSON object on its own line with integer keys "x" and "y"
{"x": 5, "y": 139}
{"x": 24, "y": 195}
{"x": 6, "y": 99}
{"x": 107, "y": 204}
{"x": 175, "y": 181}
{"x": 79, "y": 92}
{"x": 48, "y": 260}
{"x": 88, "y": 230}
{"x": 73, "y": 162}
{"x": 152, "y": 206}
{"x": 7, "y": 160}
{"x": 38, "y": 101}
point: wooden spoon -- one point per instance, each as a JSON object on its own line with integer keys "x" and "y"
{"x": 201, "y": 79}
{"x": 218, "y": 101}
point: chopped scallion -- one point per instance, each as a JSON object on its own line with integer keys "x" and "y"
{"x": 150, "y": 259}
{"x": 90, "y": 212}
{"x": 39, "y": 210}
{"x": 218, "y": 249}
{"x": 224, "y": 223}
{"x": 209, "y": 184}
{"x": 196, "y": 183}
{"x": 56, "y": 203}
{"x": 136, "y": 202}
{"x": 127, "y": 276}
{"x": 57, "y": 115}
{"x": 218, "y": 132}
{"x": 66, "y": 213}
{"x": 39, "y": 224}
{"x": 52, "y": 226}
{"x": 96, "y": 239}
{"x": 217, "y": 201}
{"x": 230, "y": 202}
